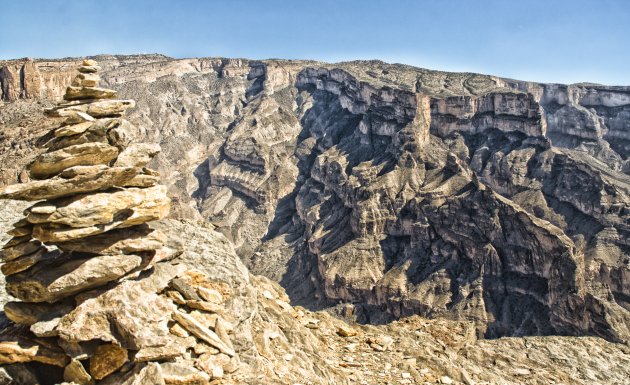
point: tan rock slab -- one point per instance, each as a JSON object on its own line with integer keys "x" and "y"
{"x": 137, "y": 155}
{"x": 208, "y": 320}
{"x": 175, "y": 296}
{"x": 41, "y": 208}
{"x": 20, "y": 231}
{"x": 106, "y": 360}
{"x": 119, "y": 241}
{"x": 173, "y": 349}
{"x": 79, "y": 93}
{"x": 181, "y": 374}
{"x": 73, "y": 129}
{"x": 85, "y": 215}
{"x": 90, "y": 64}
{"x": 131, "y": 314}
{"x": 88, "y": 69}
{"x": 23, "y": 350}
{"x": 211, "y": 365}
{"x": 52, "y": 282}
{"x": 202, "y": 348}
{"x": 178, "y": 330}
{"x": 142, "y": 181}
{"x": 210, "y": 295}
{"x": 75, "y": 372}
{"x": 17, "y": 240}
{"x": 99, "y": 109}
{"x": 113, "y": 131}
{"x": 46, "y": 328}
{"x": 220, "y": 327}
{"x": 71, "y": 117}
{"x": 76, "y": 180}
{"x": 184, "y": 286}
{"x": 24, "y": 262}
{"x": 86, "y": 80}
{"x": 346, "y": 331}
{"x": 204, "y": 305}
{"x": 198, "y": 330}
{"x": 87, "y": 154}
{"x": 20, "y": 249}
{"x": 26, "y": 313}
{"x": 150, "y": 374}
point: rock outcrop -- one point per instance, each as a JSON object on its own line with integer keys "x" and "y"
{"x": 377, "y": 191}
{"x": 397, "y": 189}
{"x": 91, "y": 279}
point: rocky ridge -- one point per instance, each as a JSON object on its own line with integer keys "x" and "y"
{"x": 281, "y": 344}
{"x": 397, "y": 189}
{"x": 356, "y": 144}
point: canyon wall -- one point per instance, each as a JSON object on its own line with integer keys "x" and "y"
{"x": 394, "y": 189}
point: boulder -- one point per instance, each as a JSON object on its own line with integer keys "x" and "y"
{"x": 131, "y": 314}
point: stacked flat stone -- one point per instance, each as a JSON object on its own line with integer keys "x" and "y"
{"x": 99, "y": 291}
{"x": 88, "y": 228}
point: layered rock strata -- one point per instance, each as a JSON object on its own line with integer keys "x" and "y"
{"x": 96, "y": 294}
{"x": 302, "y": 166}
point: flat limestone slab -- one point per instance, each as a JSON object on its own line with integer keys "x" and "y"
{"x": 103, "y": 108}
{"x": 86, "y": 154}
{"x": 85, "y": 179}
{"x": 77, "y": 93}
{"x": 50, "y": 282}
{"x": 24, "y": 350}
{"x": 119, "y": 241}
{"x": 86, "y": 215}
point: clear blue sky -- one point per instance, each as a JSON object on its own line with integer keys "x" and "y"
{"x": 539, "y": 40}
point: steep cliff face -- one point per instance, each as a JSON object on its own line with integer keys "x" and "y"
{"x": 400, "y": 190}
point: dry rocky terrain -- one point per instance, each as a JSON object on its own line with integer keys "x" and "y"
{"x": 452, "y": 226}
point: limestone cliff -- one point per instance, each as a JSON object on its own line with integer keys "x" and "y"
{"x": 397, "y": 189}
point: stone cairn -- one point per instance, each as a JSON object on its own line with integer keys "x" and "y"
{"x": 99, "y": 294}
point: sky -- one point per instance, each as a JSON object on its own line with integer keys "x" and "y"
{"x": 557, "y": 41}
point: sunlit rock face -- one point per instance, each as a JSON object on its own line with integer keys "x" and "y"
{"x": 400, "y": 190}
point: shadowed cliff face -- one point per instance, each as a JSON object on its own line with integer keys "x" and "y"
{"x": 397, "y": 189}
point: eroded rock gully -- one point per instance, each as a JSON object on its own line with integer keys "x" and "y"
{"x": 377, "y": 191}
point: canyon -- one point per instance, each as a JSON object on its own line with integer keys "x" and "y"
{"x": 396, "y": 198}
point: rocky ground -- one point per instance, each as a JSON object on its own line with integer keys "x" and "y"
{"x": 384, "y": 192}
{"x": 281, "y": 344}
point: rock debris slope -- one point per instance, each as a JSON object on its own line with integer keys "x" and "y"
{"x": 99, "y": 296}
{"x": 400, "y": 190}
{"x": 396, "y": 189}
